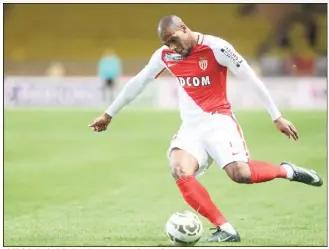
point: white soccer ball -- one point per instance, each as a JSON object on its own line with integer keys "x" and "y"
{"x": 184, "y": 228}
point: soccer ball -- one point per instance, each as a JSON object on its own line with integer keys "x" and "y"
{"x": 184, "y": 228}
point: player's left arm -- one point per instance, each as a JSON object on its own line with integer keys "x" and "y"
{"x": 227, "y": 56}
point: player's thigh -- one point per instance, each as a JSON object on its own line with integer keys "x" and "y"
{"x": 187, "y": 155}
{"x": 226, "y": 144}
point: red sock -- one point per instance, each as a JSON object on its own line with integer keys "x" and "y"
{"x": 198, "y": 198}
{"x": 264, "y": 172}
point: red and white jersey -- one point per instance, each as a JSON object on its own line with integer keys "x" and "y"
{"x": 202, "y": 77}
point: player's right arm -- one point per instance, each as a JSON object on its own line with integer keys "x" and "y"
{"x": 131, "y": 90}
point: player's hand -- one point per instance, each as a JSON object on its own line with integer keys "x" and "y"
{"x": 101, "y": 123}
{"x": 287, "y": 128}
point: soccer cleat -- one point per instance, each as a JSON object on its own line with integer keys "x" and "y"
{"x": 222, "y": 236}
{"x": 306, "y": 176}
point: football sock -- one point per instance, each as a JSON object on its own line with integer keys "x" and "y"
{"x": 264, "y": 172}
{"x": 227, "y": 227}
{"x": 290, "y": 172}
{"x": 198, "y": 198}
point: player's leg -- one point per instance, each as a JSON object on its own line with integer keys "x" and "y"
{"x": 104, "y": 91}
{"x": 187, "y": 160}
{"x": 111, "y": 85}
{"x": 258, "y": 171}
{"x": 234, "y": 159}
{"x": 184, "y": 168}
{"x": 109, "y": 90}
{"x": 225, "y": 144}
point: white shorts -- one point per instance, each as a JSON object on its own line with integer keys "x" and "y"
{"x": 215, "y": 137}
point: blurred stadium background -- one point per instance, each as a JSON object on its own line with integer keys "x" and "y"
{"x": 77, "y": 35}
{"x": 64, "y": 185}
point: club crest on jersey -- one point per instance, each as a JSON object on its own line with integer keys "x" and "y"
{"x": 203, "y": 63}
{"x": 172, "y": 57}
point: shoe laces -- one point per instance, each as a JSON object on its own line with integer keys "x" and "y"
{"x": 217, "y": 229}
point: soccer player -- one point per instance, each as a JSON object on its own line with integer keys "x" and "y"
{"x": 209, "y": 130}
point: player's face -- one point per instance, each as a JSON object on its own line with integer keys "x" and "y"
{"x": 179, "y": 41}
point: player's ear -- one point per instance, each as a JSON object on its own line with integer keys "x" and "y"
{"x": 184, "y": 28}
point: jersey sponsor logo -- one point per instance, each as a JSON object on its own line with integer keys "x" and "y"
{"x": 232, "y": 56}
{"x": 203, "y": 63}
{"x": 172, "y": 57}
{"x": 194, "y": 81}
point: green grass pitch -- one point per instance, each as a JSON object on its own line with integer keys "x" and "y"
{"x": 65, "y": 185}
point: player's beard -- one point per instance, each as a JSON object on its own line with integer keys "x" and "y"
{"x": 187, "y": 53}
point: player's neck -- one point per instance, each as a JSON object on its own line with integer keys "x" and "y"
{"x": 195, "y": 38}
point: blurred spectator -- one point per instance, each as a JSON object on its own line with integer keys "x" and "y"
{"x": 56, "y": 69}
{"x": 109, "y": 69}
{"x": 302, "y": 55}
{"x": 281, "y": 17}
{"x": 291, "y": 45}
{"x": 318, "y": 8}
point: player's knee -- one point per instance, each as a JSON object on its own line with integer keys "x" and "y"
{"x": 238, "y": 172}
{"x": 182, "y": 164}
{"x": 179, "y": 170}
